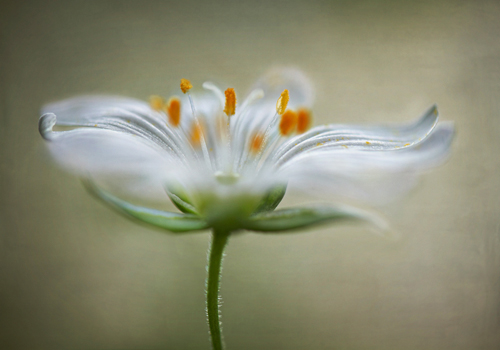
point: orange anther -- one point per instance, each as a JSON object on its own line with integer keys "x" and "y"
{"x": 230, "y": 106}
{"x": 196, "y": 134}
{"x": 303, "y": 120}
{"x": 282, "y": 102}
{"x": 256, "y": 143}
{"x": 173, "y": 109}
{"x": 156, "y": 102}
{"x": 288, "y": 122}
{"x": 185, "y": 85}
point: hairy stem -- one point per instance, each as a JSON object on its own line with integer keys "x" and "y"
{"x": 216, "y": 250}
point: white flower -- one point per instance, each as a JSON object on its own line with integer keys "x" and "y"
{"x": 223, "y": 162}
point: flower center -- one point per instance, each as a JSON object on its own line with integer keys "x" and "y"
{"x": 227, "y": 178}
{"x": 229, "y": 143}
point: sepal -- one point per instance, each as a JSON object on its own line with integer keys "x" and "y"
{"x": 174, "y": 222}
{"x": 299, "y": 218}
{"x": 181, "y": 202}
{"x": 272, "y": 199}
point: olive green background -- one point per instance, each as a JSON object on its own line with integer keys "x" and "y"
{"x": 74, "y": 275}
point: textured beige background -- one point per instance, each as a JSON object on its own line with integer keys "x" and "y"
{"x": 74, "y": 275}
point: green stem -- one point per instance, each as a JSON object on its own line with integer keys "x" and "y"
{"x": 219, "y": 241}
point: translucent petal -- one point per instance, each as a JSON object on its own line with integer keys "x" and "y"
{"x": 108, "y": 154}
{"x": 118, "y": 113}
{"x": 370, "y": 176}
{"x": 370, "y": 137}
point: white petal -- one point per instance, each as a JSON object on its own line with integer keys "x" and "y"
{"x": 374, "y": 175}
{"x": 118, "y": 113}
{"x": 82, "y": 110}
{"x": 370, "y": 137}
{"x": 108, "y": 155}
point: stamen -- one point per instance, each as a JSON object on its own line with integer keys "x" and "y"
{"x": 196, "y": 134}
{"x": 173, "y": 109}
{"x": 230, "y": 106}
{"x": 288, "y": 122}
{"x": 156, "y": 102}
{"x": 303, "y": 120}
{"x": 282, "y": 102}
{"x": 185, "y": 85}
{"x": 256, "y": 143}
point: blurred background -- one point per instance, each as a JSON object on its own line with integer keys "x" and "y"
{"x": 75, "y": 275}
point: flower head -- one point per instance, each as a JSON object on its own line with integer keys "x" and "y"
{"x": 226, "y": 164}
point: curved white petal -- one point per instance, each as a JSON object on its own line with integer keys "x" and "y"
{"x": 369, "y": 137}
{"x": 121, "y": 114}
{"x": 109, "y": 155}
{"x": 374, "y": 175}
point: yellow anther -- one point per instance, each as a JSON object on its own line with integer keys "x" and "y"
{"x": 156, "y": 102}
{"x": 196, "y": 134}
{"x": 367, "y": 142}
{"x": 173, "y": 109}
{"x": 230, "y": 106}
{"x": 256, "y": 143}
{"x": 288, "y": 122}
{"x": 185, "y": 85}
{"x": 282, "y": 102}
{"x": 303, "y": 120}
